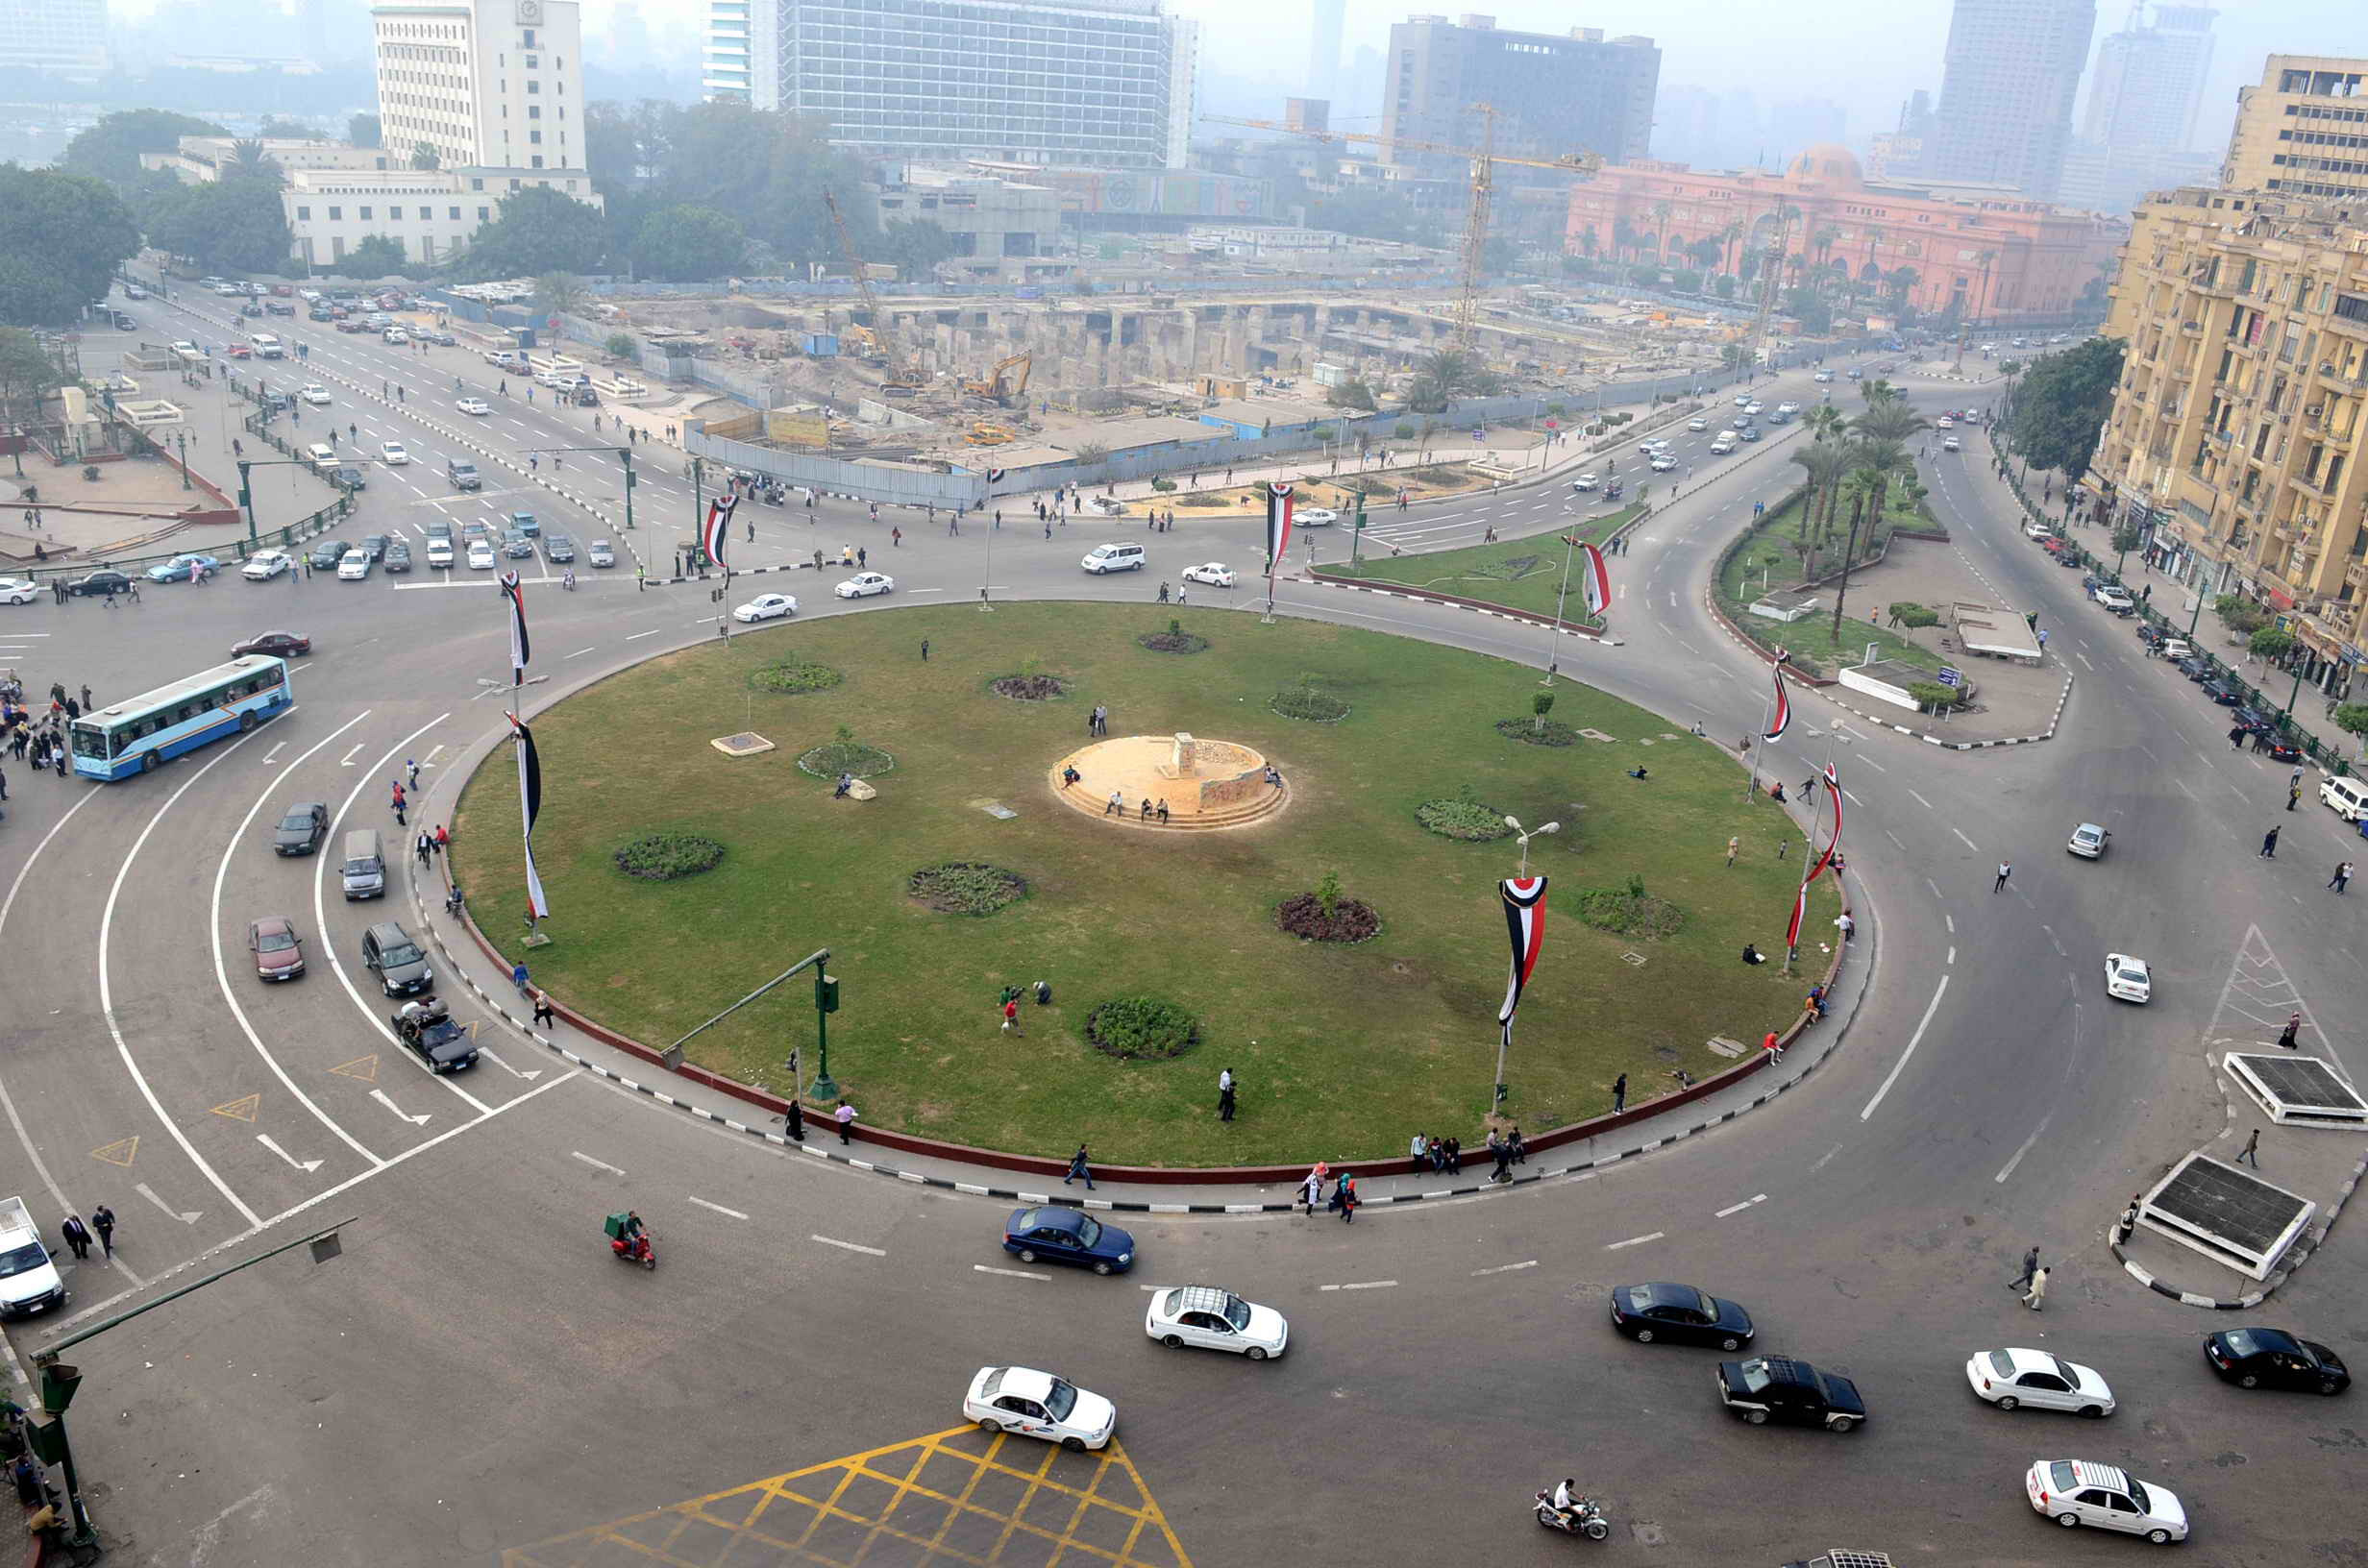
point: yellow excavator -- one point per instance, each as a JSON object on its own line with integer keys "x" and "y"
{"x": 997, "y": 387}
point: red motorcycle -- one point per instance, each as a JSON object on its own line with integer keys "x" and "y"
{"x": 629, "y": 1240}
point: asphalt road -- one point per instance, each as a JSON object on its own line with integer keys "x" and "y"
{"x": 472, "y": 1375}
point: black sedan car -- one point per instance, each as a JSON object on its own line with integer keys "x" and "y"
{"x": 283, "y": 645}
{"x": 326, "y": 553}
{"x": 99, "y": 582}
{"x": 1779, "y": 1388}
{"x": 2196, "y": 667}
{"x": 2274, "y": 1359}
{"x": 397, "y": 556}
{"x": 2222, "y": 693}
{"x": 1646, "y": 1312}
{"x": 302, "y": 829}
{"x": 1068, "y": 1235}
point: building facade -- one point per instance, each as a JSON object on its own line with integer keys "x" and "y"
{"x": 63, "y": 37}
{"x": 1996, "y": 258}
{"x": 2234, "y": 434}
{"x": 1554, "y": 94}
{"x": 1091, "y": 84}
{"x": 2303, "y": 130}
{"x": 485, "y": 83}
{"x": 2138, "y": 132}
{"x": 1002, "y": 230}
{"x": 2009, "y": 80}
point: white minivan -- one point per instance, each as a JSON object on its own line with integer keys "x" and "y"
{"x": 29, "y": 1281}
{"x": 2348, "y": 797}
{"x": 321, "y": 456}
{"x": 1103, "y": 558}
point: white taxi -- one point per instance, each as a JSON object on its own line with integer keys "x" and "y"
{"x": 1215, "y": 1319}
{"x": 476, "y": 405}
{"x": 1034, "y": 1404}
{"x": 19, "y": 590}
{"x": 2013, "y": 1378}
{"x": 267, "y": 564}
{"x": 1215, "y": 574}
{"x": 2128, "y": 979}
{"x": 2074, "y": 1492}
{"x": 767, "y": 607}
{"x": 393, "y": 452}
{"x": 314, "y": 393}
{"x": 481, "y": 555}
{"x": 1315, "y": 517}
{"x": 866, "y": 583}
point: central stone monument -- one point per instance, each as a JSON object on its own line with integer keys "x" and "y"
{"x": 1205, "y": 784}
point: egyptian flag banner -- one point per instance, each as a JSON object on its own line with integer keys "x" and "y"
{"x": 716, "y": 532}
{"x": 1800, "y": 910}
{"x": 1780, "y": 717}
{"x": 1524, "y": 899}
{"x": 1594, "y": 579}
{"x": 515, "y": 596}
{"x": 531, "y": 805}
{"x": 1278, "y": 525}
{"x": 995, "y": 476}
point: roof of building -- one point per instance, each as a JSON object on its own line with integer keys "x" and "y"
{"x": 1833, "y": 165}
{"x": 1264, "y": 410}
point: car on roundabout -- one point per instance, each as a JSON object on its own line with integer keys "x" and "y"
{"x": 398, "y": 556}
{"x": 2074, "y": 1492}
{"x": 354, "y": 566}
{"x": 1779, "y": 1388}
{"x": 2013, "y": 1379}
{"x": 181, "y": 568}
{"x": 19, "y": 590}
{"x": 2274, "y": 1359}
{"x": 314, "y": 393}
{"x": 1215, "y": 574}
{"x": 325, "y": 555}
{"x": 1055, "y": 1234}
{"x": 1034, "y": 1404}
{"x": 301, "y": 828}
{"x": 278, "y": 951}
{"x": 1680, "y": 1314}
{"x": 280, "y": 644}
{"x": 559, "y": 549}
{"x": 2088, "y": 840}
{"x": 425, "y": 1025}
{"x": 1661, "y": 462}
{"x": 1585, "y": 481}
{"x": 1315, "y": 517}
{"x": 2128, "y": 979}
{"x": 267, "y": 564}
{"x": 476, "y": 405}
{"x": 600, "y": 552}
{"x": 394, "y": 451}
{"x": 481, "y": 555}
{"x": 864, "y": 584}
{"x": 767, "y": 607}
{"x": 93, "y": 584}
{"x": 1210, "y": 1318}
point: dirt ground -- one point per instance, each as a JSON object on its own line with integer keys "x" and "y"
{"x": 2010, "y": 698}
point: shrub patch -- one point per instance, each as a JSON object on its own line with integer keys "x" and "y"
{"x": 1349, "y": 920}
{"x": 1308, "y": 702}
{"x": 791, "y": 675}
{"x": 832, "y": 758}
{"x": 662, "y": 857}
{"x": 1630, "y": 912}
{"x": 967, "y": 887}
{"x": 1528, "y": 733}
{"x": 1174, "y": 640}
{"x": 1029, "y": 688}
{"x": 1141, "y": 1028}
{"x": 1463, "y": 818}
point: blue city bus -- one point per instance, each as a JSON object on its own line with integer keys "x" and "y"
{"x": 133, "y": 736}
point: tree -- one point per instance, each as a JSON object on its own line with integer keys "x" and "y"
{"x": 378, "y": 256}
{"x": 275, "y": 128}
{"x": 1823, "y": 463}
{"x": 110, "y": 149}
{"x": 250, "y": 162}
{"x": 1882, "y": 461}
{"x": 1445, "y": 376}
{"x": 426, "y": 156}
{"x": 2351, "y": 718}
{"x": 621, "y": 346}
{"x": 1685, "y": 281}
{"x": 537, "y": 230}
{"x": 363, "y": 130}
{"x": 914, "y": 247}
{"x": 1645, "y": 275}
{"x": 1540, "y": 703}
{"x": 559, "y": 294}
{"x": 233, "y": 225}
{"x": 27, "y": 375}
{"x": 1352, "y": 393}
{"x": 2272, "y": 643}
{"x": 64, "y": 236}
{"x": 687, "y": 244}
{"x": 1723, "y": 285}
{"x": 1588, "y": 242}
{"x": 1809, "y": 308}
{"x": 2060, "y": 404}
{"x": 1662, "y": 212}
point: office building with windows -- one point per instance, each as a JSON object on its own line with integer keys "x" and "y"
{"x": 1087, "y": 83}
{"x": 2303, "y": 130}
{"x": 2008, "y": 82}
{"x": 1554, "y": 94}
{"x": 60, "y": 38}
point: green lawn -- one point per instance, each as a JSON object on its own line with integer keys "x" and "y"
{"x": 1770, "y": 560}
{"x": 1342, "y": 1051}
{"x": 1520, "y": 574}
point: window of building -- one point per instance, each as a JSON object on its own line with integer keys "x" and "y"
{"x": 455, "y": 214}
{"x": 530, "y": 37}
{"x": 395, "y": 215}
{"x": 536, "y": 137}
{"x": 536, "y": 161}
{"x": 366, "y": 215}
{"x": 304, "y": 215}
{"x": 534, "y": 112}
{"x": 533, "y": 87}
{"x": 484, "y": 215}
{"x": 335, "y": 214}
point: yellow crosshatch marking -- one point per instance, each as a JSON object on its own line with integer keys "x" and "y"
{"x": 957, "y": 1497}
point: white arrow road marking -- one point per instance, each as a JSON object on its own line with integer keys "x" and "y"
{"x": 596, "y": 1165}
{"x": 308, "y": 1166}
{"x": 380, "y": 1095}
{"x": 188, "y": 1217}
{"x": 530, "y": 1077}
{"x": 347, "y": 761}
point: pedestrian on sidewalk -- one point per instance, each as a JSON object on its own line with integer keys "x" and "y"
{"x": 77, "y": 1236}
{"x": 2249, "y": 1153}
{"x": 1078, "y": 1167}
{"x": 2290, "y": 1036}
{"x": 2127, "y": 1224}
{"x": 844, "y": 1117}
{"x": 2342, "y": 879}
{"x": 424, "y": 846}
{"x": 443, "y": 840}
{"x": 1311, "y": 1189}
{"x": 2004, "y": 870}
{"x": 2031, "y": 1267}
{"x": 1620, "y": 1094}
{"x": 542, "y": 1010}
{"x": 1502, "y": 1153}
{"x": 2037, "y": 1295}
{"x": 793, "y": 1121}
{"x": 103, "y": 1222}
{"x": 2269, "y": 844}
{"x": 1348, "y": 1199}
{"x": 1773, "y": 1047}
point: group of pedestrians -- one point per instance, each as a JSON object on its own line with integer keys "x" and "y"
{"x": 39, "y": 738}
{"x": 78, "y": 1234}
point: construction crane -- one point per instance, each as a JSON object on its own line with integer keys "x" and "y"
{"x": 1484, "y": 159}
{"x": 903, "y": 376}
{"x": 994, "y": 387}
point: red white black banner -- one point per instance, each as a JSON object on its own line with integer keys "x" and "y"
{"x": 1596, "y": 581}
{"x": 516, "y": 596}
{"x": 1524, "y": 899}
{"x": 716, "y": 532}
{"x": 529, "y": 806}
{"x": 1780, "y": 717}
{"x": 1279, "y": 504}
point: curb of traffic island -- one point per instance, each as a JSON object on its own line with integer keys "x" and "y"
{"x": 2299, "y": 1255}
{"x": 2054, "y": 723}
{"x": 1478, "y": 606}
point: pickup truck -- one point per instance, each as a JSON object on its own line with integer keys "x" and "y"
{"x": 426, "y": 1025}
{"x": 463, "y": 474}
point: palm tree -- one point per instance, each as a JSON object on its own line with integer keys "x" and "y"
{"x": 1727, "y": 237}
{"x": 1887, "y": 417}
{"x": 1881, "y": 460}
{"x": 1823, "y": 422}
{"x": 249, "y": 161}
{"x": 1662, "y": 212}
{"x": 1825, "y": 463}
{"x": 559, "y": 293}
{"x": 1588, "y": 243}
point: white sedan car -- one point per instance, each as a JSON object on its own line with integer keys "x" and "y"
{"x": 394, "y": 451}
{"x": 1585, "y": 481}
{"x": 1315, "y": 517}
{"x": 396, "y": 336}
{"x": 767, "y": 607}
{"x": 1215, "y": 574}
{"x": 267, "y": 564}
{"x": 863, "y": 583}
{"x": 2075, "y": 1492}
{"x": 314, "y": 393}
{"x": 2011, "y": 1379}
{"x": 1215, "y": 1319}
{"x": 1039, "y": 1405}
{"x": 1663, "y": 462}
{"x": 476, "y": 405}
{"x": 19, "y": 590}
{"x": 481, "y": 555}
{"x": 2128, "y": 978}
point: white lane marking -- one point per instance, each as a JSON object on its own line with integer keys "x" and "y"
{"x": 487, "y": 1053}
{"x": 420, "y": 1120}
{"x": 877, "y": 1252}
{"x": 596, "y": 1165}
{"x": 1952, "y": 920}
{"x": 1853, "y": 799}
{"x": 275, "y": 751}
{"x": 2025, "y": 1149}
{"x": 1934, "y": 886}
{"x": 639, "y": 635}
{"x": 577, "y": 654}
{"x": 1952, "y": 954}
{"x": 107, "y": 984}
{"x": 730, "y": 1214}
{"x": 308, "y": 1166}
{"x": 1966, "y": 842}
{"x": 2183, "y": 787}
{"x": 1010, "y": 1273}
{"x": 2054, "y": 941}
{"x": 1634, "y": 1241}
{"x": 189, "y": 1216}
{"x": 2150, "y": 756}
{"x": 428, "y": 761}
{"x": 1895, "y": 838}
{"x": 1913, "y": 1040}
{"x": 1739, "y": 1207}
{"x": 347, "y": 761}
{"x": 1823, "y": 1158}
{"x": 1503, "y": 1268}
{"x": 2083, "y": 658}
{"x": 1922, "y": 801}
{"x": 1363, "y": 1285}
{"x": 1870, "y": 762}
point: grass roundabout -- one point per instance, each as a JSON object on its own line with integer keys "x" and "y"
{"x": 1343, "y": 1048}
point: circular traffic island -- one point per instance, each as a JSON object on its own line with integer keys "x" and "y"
{"x": 969, "y": 870}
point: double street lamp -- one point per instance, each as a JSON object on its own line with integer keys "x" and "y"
{"x": 1514, "y": 824}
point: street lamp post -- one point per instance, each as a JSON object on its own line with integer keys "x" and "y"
{"x": 184, "y": 439}
{"x": 1524, "y": 838}
{"x": 1553, "y": 651}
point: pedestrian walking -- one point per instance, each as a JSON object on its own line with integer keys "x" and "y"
{"x": 2038, "y": 1294}
{"x": 1224, "y": 1095}
{"x": 1011, "y": 1017}
{"x": 2251, "y": 1153}
{"x": 77, "y": 1236}
{"x": 2004, "y": 870}
{"x": 2269, "y": 844}
{"x": 412, "y": 769}
{"x": 844, "y": 1117}
{"x": 2290, "y": 1036}
{"x": 1848, "y": 925}
{"x": 542, "y": 1010}
{"x": 1502, "y": 1151}
{"x": 1734, "y": 843}
{"x": 1311, "y": 1189}
{"x": 1419, "y": 1150}
{"x": 924, "y": 650}
{"x": 424, "y": 846}
{"x": 2293, "y": 795}
{"x": 103, "y": 1222}
{"x": 2127, "y": 1224}
{"x": 1078, "y": 1168}
{"x": 86, "y": 697}
{"x": 1620, "y": 1094}
{"x": 2341, "y": 881}
{"x": 2031, "y": 1267}
{"x": 793, "y": 1121}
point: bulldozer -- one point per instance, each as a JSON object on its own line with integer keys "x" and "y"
{"x": 1003, "y": 391}
{"x": 986, "y": 432}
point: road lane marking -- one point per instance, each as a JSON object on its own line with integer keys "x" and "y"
{"x": 347, "y": 761}
{"x": 1010, "y": 1273}
{"x": 1503, "y": 1268}
{"x": 2019, "y": 1153}
{"x": 1739, "y": 1207}
{"x": 596, "y": 1165}
{"x": 1634, "y": 1241}
{"x": 1363, "y": 1285}
{"x": 1952, "y": 954}
{"x": 1966, "y": 842}
{"x": 732, "y": 1213}
{"x": 1823, "y": 1158}
{"x": 188, "y": 1217}
{"x": 578, "y": 653}
{"x": 2182, "y": 786}
{"x": 639, "y": 635}
{"x": 871, "y": 1252}
{"x": 1913, "y": 1040}
{"x": 1922, "y": 801}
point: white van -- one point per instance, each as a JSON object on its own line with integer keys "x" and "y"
{"x": 266, "y": 346}
{"x": 321, "y": 456}
{"x": 2348, "y": 797}
{"x": 364, "y": 871}
{"x": 29, "y": 1281}
{"x": 1103, "y": 558}
{"x": 1722, "y": 443}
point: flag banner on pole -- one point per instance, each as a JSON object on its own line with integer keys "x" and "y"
{"x": 1833, "y": 790}
{"x": 1781, "y": 716}
{"x": 716, "y": 532}
{"x": 995, "y": 476}
{"x": 1524, "y": 899}
{"x": 1800, "y": 910}
{"x": 1278, "y": 525}
{"x": 529, "y": 805}
{"x": 1596, "y": 581}
{"x": 517, "y": 597}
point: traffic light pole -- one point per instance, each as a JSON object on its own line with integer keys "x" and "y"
{"x": 815, "y": 961}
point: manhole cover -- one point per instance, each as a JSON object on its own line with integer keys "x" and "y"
{"x": 1638, "y": 959}
{"x": 1596, "y": 735}
{"x": 1721, "y": 1046}
{"x": 746, "y": 743}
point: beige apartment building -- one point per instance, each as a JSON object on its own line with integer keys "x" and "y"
{"x": 2236, "y": 431}
{"x": 2303, "y": 131}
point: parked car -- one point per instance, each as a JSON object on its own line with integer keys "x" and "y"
{"x": 2115, "y": 599}
{"x": 2222, "y": 693}
{"x": 93, "y": 583}
{"x": 2196, "y": 667}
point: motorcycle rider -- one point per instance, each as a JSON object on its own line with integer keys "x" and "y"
{"x": 630, "y": 1243}
{"x": 1565, "y": 1502}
